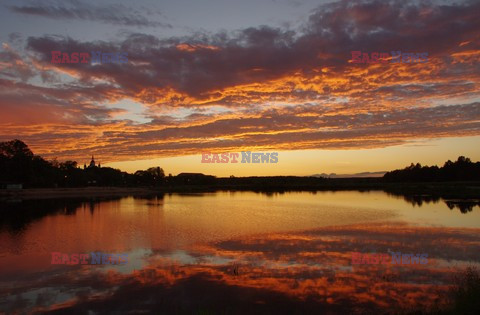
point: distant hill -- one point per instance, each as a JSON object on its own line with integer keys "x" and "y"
{"x": 356, "y": 175}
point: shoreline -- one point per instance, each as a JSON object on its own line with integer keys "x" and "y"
{"x": 461, "y": 190}
{"x": 49, "y": 193}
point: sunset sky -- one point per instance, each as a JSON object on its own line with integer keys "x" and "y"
{"x": 231, "y": 76}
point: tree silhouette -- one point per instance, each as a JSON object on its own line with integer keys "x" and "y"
{"x": 461, "y": 170}
{"x": 18, "y": 164}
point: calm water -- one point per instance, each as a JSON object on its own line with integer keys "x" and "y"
{"x": 234, "y": 252}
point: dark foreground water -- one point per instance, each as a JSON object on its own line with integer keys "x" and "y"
{"x": 234, "y": 252}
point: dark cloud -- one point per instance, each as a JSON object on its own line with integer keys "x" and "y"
{"x": 15, "y": 68}
{"x": 24, "y": 103}
{"x": 114, "y": 14}
{"x": 200, "y": 66}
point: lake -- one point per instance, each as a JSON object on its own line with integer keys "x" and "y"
{"x": 235, "y": 252}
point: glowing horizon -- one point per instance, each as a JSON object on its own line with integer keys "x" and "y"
{"x": 311, "y": 162}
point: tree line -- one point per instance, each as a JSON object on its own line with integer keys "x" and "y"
{"x": 463, "y": 169}
{"x": 18, "y": 164}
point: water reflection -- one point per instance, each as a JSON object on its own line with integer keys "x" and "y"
{"x": 464, "y": 206}
{"x": 232, "y": 253}
{"x": 17, "y": 215}
{"x": 305, "y": 271}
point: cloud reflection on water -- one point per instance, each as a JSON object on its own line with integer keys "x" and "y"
{"x": 277, "y": 272}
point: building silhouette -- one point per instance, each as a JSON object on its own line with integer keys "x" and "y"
{"x": 92, "y": 164}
